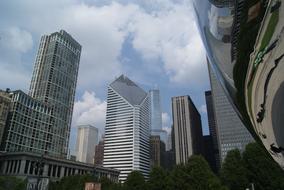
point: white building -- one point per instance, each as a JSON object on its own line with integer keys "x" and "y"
{"x": 87, "y": 139}
{"x": 127, "y": 131}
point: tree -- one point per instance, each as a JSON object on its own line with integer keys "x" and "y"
{"x": 12, "y": 183}
{"x": 158, "y": 179}
{"x": 233, "y": 173}
{"x": 135, "y": 181}
{"x": 264, "y": 172}
{"x": 76, "y": 182}
{"x": 195, "y": 175}
{"x": 201, "y": 176}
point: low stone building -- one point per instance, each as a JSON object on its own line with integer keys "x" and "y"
{"x": 26, "y": 165}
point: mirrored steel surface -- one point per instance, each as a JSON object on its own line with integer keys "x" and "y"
{"x": 245, "y": 47}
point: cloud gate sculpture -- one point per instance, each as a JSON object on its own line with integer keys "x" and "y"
{"x": 244, "y": 41}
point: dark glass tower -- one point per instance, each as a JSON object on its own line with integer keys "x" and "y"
{"x": 212, "y": 129}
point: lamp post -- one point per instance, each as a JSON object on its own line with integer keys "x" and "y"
{"x": 252, "y": 187}
{"x": 38, "y": 166}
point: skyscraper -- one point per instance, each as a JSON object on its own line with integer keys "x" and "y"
{"x": 54, "y": 82}
{"x": 231, "y": 133}
{"x": 209, "y": 153}
{"x": 99, "y": 153}
{"x": 157, "y": 151}
{"x": 212, "y": 129}
{"x": 5, "y": 103}
{"x": 127, "y": 130}
{"x": 187, "y": 128}
{"x": 28, "y": 127}
{"x": 87, "y": 139}
{"x": 156, "y": 116}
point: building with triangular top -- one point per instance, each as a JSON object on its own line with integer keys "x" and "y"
{"x": 127, "y": 130}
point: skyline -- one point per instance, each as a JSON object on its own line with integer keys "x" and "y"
{"x": 140, "y": 55}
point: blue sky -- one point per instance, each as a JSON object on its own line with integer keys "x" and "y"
{"x": 153, "y": 42}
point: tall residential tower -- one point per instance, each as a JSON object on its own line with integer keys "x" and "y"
{"x": 40, "y": 122}
{"x": 54, "y": 83}
{"x": 127, "y": 131}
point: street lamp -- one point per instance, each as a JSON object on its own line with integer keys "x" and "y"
{"x": 38, "y": 166}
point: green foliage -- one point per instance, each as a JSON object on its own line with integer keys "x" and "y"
{"x": 158, "y": 179}
{"x": 237, "y": 173}
{"x": 233, "y": 173}
{"x": 264, "y": 172}
{"x": 255, "y": 166}
{"x": 135, "y": 181}
{"x": 12, "y": 183}
{"x": 195, "y": 175}
{"x": 201, "y": 176}
{"x": 76, "y": 182}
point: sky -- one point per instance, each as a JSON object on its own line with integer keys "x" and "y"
{"x": 154, "y": 42}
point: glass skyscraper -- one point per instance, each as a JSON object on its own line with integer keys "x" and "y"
{"x": 231, "y": 132}
{"x": 156, "y": 116}
{"x": 40, "y": 122}
{"x": 54, "y": 83}
{"x": 127, "y": 131}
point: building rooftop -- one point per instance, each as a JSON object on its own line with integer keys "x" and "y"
{"x": 128, "y": 90}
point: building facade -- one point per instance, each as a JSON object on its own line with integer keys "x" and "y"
{"x": 209, "y": 153}
{"x": 5, "y": 103}
{"x": 29, "y": 165}
{"x": 127, "y": 131}
{"x": 99, "y": 153}
{"x": 231, "y": 133}
{"x": 87, "y": 139}
{"x": 212, "y": 129}
{"x": 187, "y": 128}
{"x": 156, "y": 116}
{"x": 157, "y": 151}
{"x": 29, "y": 126}
{"x": 54, "y": 83}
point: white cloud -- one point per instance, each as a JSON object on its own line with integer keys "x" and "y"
{"x": 14, "y": 43}
{"x": 16, "y": 39}
{"x": 170, "y": 35}
{"x": 90, "y": 110}
{"x": 161, "y": 30}
{"x": 203, "y": 109}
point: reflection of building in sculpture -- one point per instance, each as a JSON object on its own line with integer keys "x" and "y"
{"x": 87, "y": 139}
{"x": 230, "y": 130}
{"x": 187, "y": 128}
{"x": 127, "y": 131}
{"x": 244, "y": 64}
